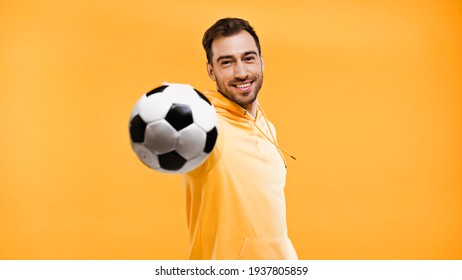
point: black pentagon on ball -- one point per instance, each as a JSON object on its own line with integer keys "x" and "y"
{"x": 210, "y": 140}
{"x": 171, "y": 161}
{"x": 156, "y": 90}
{"x": 137, "y": 129}
{"x": 202, "y": 96}
{"x": 179, "y": 116}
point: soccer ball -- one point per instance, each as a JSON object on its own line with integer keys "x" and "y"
{"x": 173, "y": 128}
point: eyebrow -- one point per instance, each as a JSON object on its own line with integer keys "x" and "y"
{"x": 230, "y": 56}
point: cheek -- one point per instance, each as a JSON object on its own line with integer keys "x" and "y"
{"x": 223, "y": 76}
{"x": 257, "y": 69}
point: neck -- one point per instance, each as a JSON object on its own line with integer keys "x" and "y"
{"x": 252, "y": 108}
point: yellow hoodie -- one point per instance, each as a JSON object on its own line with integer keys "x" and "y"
{"x": 235, "y": 200}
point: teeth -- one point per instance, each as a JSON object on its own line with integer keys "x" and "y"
{"x": 243, "y": 85}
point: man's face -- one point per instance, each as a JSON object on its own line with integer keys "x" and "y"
{"x": 237, "y": 68}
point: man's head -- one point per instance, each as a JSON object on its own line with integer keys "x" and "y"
{"x": 234, "y": 60}
{"x": 226, "y": 27}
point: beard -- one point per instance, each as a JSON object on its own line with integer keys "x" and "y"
{"x": 241, "y": 98}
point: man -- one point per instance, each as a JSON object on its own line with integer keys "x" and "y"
{"x": 235, "y": 199}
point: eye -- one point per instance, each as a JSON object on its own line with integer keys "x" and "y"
{"x": 225, "y": 62}
{"x": 249, "y": 58}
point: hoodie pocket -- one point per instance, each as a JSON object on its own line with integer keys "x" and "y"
{"x": 267, "y": 249}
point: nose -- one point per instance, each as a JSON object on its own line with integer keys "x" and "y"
{"x": 240, "y": 71}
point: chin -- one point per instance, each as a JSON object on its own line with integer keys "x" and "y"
{"x": 246, "y": 101}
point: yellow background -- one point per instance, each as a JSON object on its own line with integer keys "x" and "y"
{"x": 366, "y": 94}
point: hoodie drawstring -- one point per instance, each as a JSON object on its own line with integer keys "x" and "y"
{"x": 273, "y": 140}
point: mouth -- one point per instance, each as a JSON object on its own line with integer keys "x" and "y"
{"x": 245, "y": 86}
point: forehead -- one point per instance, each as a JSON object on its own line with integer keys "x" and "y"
{"x": 234, "y": 45}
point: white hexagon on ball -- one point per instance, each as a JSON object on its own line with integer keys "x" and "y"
{"x": 181, "y": 93}
{"x": 191, "y": 141}
{"x": 146, "y": 156}
{"x": 193, "y": 163}
{"x": 155, "y": 107}
{"x": 160, "y": 137}
{"x": 204, "y": 115}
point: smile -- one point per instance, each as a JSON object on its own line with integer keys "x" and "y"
{"x": 243, "y": 86}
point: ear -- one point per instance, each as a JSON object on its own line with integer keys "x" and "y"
{"x": 210, "y": 71}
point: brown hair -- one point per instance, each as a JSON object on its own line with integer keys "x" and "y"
{"x": 226, "y": 27}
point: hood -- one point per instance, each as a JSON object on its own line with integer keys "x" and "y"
{"x": 226, "y": 107}
{"x": 231, "y": 110}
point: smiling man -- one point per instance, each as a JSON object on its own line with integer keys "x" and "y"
{"x": 237, "y": 68}
{"x": 235, "y": 200}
